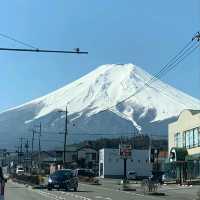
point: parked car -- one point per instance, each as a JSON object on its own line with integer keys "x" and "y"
{"x": 63, "y": 179}
{"x": 20, "y": 170}
{"x": 131, "y": 175}
{"x": 84, "y": 173}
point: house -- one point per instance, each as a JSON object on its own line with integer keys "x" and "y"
{"x": 185, "y": 132}
{"x": 111, "y": 165}
{"x": 82, "y": 156}
{"x": 184, "y": 145}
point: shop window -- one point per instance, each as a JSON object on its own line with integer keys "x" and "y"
{"x": 195, "y": 137}
{"x": 187, "y": 139}
{"x": 191, "y": 139}
{"x": 178, "y": 139}
{"x": 184, "y": 139}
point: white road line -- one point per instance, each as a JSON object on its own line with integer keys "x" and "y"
{"x": 109, "y": 189}
{"x": 54, "y": 196}
{"x": 108, "y": 198}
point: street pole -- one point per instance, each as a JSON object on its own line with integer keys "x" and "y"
{"x": 65, "y": 137}
{"x": 32, "y": 143}
{"x": 125, "y": 176}
{"x": 27, "y": 146}
{"x": 39, "y": 146}
{"x": 20, "y": 154}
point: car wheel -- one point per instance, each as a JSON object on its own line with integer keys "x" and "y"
{"x": 49, "y": 188}
{"x": 75, "y": 189}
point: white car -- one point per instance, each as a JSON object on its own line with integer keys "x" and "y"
{"x": 131, "y": 175}
{"x": 20, "y": 170}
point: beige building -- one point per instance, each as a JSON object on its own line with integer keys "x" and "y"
{"x": 185, "y": 132}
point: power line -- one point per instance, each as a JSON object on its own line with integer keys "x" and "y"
{"x": 18, "y": 41}
{"x": 169, "y": 66}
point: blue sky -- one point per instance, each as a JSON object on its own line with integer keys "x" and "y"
{"x": 146, "y": 33}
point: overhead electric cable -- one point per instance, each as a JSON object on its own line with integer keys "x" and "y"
{"x": 182, "y": 54}
{"x": 18, "y": 41}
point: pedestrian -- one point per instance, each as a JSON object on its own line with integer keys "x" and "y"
{"x": 2, "y": 184}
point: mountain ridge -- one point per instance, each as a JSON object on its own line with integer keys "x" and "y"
{"x": 89, "y": 98}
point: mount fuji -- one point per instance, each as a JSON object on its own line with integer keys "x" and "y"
{"x": 94, "y": 108}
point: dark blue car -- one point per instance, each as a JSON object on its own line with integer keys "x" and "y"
{"x": 63, "y": 179}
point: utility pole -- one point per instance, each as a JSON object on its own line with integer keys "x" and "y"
{"x": 18, "y": 155}
{"x": 34, "y": 131}
{"x": 39, "y": 145}
{"x": 21, "y": 150}
{"x": 65, "y": 133}
{"x": 27, "y": 156}
{"x": 32, "y": 144}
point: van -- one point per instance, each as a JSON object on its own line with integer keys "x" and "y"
{"x": 20, "y": 170}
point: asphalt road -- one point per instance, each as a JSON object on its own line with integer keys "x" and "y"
{"x": 15, "y": 191}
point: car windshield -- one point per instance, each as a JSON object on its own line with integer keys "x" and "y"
{"x": 63, "y": 173}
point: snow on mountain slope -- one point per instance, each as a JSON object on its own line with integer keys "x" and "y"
{"x": 99, "y": 90}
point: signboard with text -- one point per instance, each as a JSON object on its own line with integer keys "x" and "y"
{"x": 125, "y": 151}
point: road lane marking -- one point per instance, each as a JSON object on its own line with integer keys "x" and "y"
{"x": 54, "y": 196}
{"x": 109, "y": 189}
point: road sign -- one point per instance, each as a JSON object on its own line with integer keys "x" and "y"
{"x": 125, "y": 151}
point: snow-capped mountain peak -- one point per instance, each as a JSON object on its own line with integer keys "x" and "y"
{"x": 104, "y": 89}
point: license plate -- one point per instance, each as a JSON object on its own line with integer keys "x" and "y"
{"x": 56, "y": 186}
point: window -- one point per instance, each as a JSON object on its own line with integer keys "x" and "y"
{"x": 101, "y": 169}
{"x": 187, "y": 139}
{"x": 191, "y": 139}
{"x": 178, "y": 139}
{"x": 195, "y": 137}
{"x": 184, "y": 139}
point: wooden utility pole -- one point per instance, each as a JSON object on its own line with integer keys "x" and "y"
{"x": 27, "y": 155}
{"x": 65, "y": 133}
{"x": 39, "y": 146}
{"x": 32, "y": 145}
{"x": 21, "y": 150}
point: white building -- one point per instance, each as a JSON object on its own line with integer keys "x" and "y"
{"x": 111, "y": 165}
